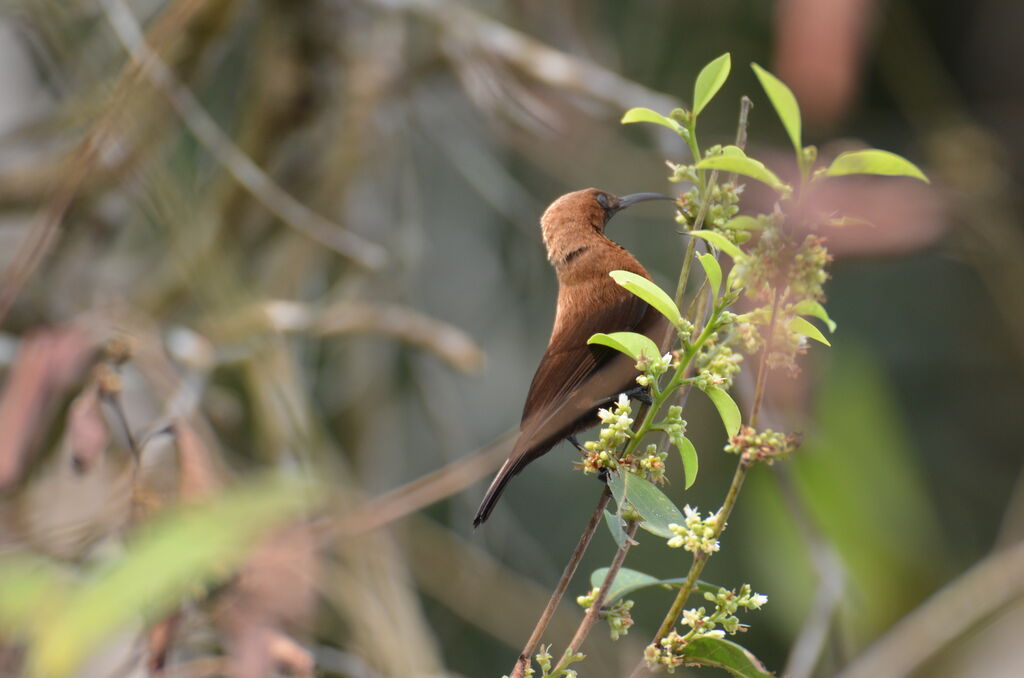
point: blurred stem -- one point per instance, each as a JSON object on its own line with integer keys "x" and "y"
{"x": 556, "y": 596}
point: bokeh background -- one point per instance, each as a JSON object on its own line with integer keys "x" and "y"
{"x": 303, "y": 236}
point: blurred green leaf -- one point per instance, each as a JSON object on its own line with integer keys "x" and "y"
{"x": 178, "y": 553}
{"x": 627, "y": 581}
{"x": 649, "y": 292}
{"x": 815, "y": 309}
{"x": 632, "y": 344}
{"x": 727, "y": 408}
{"x": 784, "y": 102}
{"x": 654, "y": 507}
{"x": 743, "y": 222}
{"x": 720, "y": 242}
{"x": 802, "y": 326}
{"x": 713, "y": 271}
{"x": 874, "y": 161}
{"x": 689, "y": 456}
{"x": 30, "y": 589}
{"x": 725, "y": 654}
{"x": 647, "y": 115}
{"x": 709, "y": 81}
{"x": 735, "y": 160}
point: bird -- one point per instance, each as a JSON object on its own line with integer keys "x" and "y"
{"x": 574, "y": 380}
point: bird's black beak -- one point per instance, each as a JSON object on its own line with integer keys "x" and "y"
{"x": 633, "y": 198}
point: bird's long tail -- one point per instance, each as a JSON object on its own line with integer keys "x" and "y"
{"x": 510, "y": 468}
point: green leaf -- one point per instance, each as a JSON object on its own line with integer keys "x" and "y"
{"x": 727, "y": 409}
{"x": 743, "y": 222}
{"x": 709, "y": 81}
{"x": 180, "y": 552}
{"x": 733, "y": 159}
{"x": 627, "y": 581}
{"x": 654, "y": 507}
{"x": 784, "y": 103}
{"x": 647, "y": 115}
{"x": 713, "y": 271}
{"x": 874, "y": 161}
{"x": 30, "y": 588}
{"x": 632, "y": 344}
{"x": 812, "y": 308}
{"x": 614, "y": 522}
{"x": 689, "y": 456}
{"x": 649, "y": 292}
{"x": 720, "y": 242}
{"x": 802, "y": 326}
{"x": 725, "y": 654}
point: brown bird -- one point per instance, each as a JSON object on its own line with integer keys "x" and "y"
{"x": 575, "y": 379}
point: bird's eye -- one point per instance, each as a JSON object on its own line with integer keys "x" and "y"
{"x": 602, "y": 200}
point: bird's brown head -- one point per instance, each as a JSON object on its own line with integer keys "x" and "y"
{"x": 579, "y": 217}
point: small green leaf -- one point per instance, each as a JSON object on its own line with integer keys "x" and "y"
{"x": 627, "y": 581}
{"x": 720, "y": 242}
{"x": 632, "y": 344}
{"x": 614, "y": 522}
{"x": 743, "y": 222}
{"x": 709, "y": 81}
{"x": 30, "y": 588}
{"x": 713, "y": 271}
{"x": 654, "y": 507}
{"x": 812, "y": 308}
{"x": 784, "y": 103}
{"x": 649, "y": 292}
{"x": 727, "y": 408}
{"x": 689, "y": 455}
{"x": 647, "y": 115}
{"x": 725, "y": 654}
{"x": 801, "y": 326}
{"x": 874, "y": 161}
{"x": 733, "y": 159}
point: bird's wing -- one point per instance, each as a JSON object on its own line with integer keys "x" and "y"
{"x": 570, "y": 362}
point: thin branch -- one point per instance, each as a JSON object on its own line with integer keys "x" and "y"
{"x": 242, "y": 168}
{"x": 556, "y": 596}
{"x": 988, "y": 586}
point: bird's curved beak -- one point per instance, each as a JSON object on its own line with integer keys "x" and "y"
{"x": 633, "y": 198}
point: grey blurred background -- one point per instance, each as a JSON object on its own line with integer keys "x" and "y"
{"x": 326, "y": 257}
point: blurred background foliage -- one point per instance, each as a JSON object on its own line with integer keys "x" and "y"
{"x": 302, "y": 237}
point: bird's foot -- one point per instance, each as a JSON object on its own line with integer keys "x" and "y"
{"x": 641, "y": 393}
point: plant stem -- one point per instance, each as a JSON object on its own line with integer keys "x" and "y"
{"x": 595, "y": 609}
{"x": 556, "y": 596}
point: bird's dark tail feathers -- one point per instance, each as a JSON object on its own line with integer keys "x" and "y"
{"x": 510, "y": 468}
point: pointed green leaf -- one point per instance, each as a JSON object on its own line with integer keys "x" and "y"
{"x": 725, "y": 654}
{"x": 784, "y": 103}
{"x": 713, "y": 271}
{"x": 30, "y": 588}
{"x": 627, "y": 581}
{"x": 727, "y": 408}
{"x": 689, "y": 455}
{"x": 733, "y": 159}
{"x": 802, "y": 326}
{"x": 874, "y": 161}
{"x": 813, "y": 308}
{"x": 614, "y": 522}
{"x": 654, "y": 507}
{"x": 649, "y": 292}
{"x": 647, "y": 115}
{"x": 720, "y": 242}
{"x": 181, "y": 551}
{"x": 632, "y": 344}
{"x": 709, "y": 81}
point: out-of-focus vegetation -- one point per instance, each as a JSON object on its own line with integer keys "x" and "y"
{"x": 300, "y": 238}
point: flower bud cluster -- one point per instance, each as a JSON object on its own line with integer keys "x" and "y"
{"x": 670, "y": 651}
{"x": 764, "y": 446}
{"x": 653, "y": 368}
{"x": 723, "y": 202}
{"x": 717, "y": 364}
{"x": 617, "y": 615}
{"x": 697, "y": 534}
{"x": 615, "y": 429}
{"x": 650, "y": 464}
{"x": 543, "y": 658}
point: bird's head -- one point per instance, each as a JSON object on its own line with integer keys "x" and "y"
{"x": 576, "y": 217}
